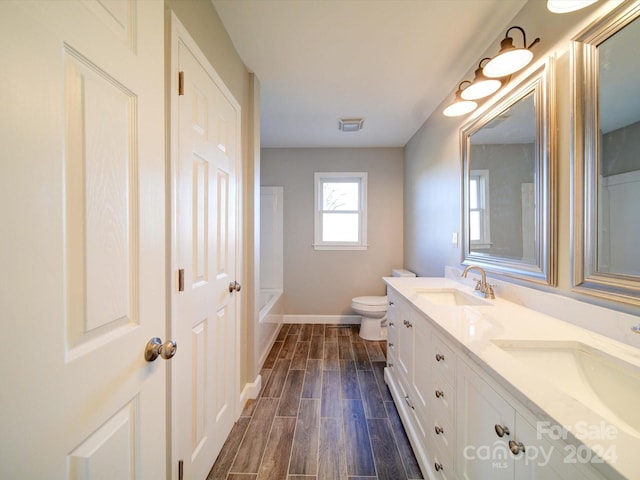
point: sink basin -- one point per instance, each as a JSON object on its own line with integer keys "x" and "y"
{"x": 449, "y": 296}
{"x": 604, "y": 383}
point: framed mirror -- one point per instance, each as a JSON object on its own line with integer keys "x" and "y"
{"x": 606, "y": 157}
{"x": 509, "y": 183}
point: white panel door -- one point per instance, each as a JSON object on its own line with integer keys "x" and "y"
{"x": 481, "y": 452}
{"x": 205, "y": 157}
{"x": 82, "y": 244}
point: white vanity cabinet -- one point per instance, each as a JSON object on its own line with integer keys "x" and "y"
{"x": 458, "y": 419}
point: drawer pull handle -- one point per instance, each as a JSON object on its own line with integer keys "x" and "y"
{"x": 391, "y": 324}
{"x": 516, "y": 448}
{"x": 438, "y": 466}
{"x": 439, "y": 430}
{"x": 439, "y": 357}
{"x": 391, "y": 344}
{"x": 439, "y": 393}
{"x": 391, "y": 304}
{"x": 390, "y": 364}
{"x": 501, "y": 431}
{"x": 407, "y": 323}
{"x": 406, "y": 399}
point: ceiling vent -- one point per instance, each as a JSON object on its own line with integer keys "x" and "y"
{"x": 350, "y": 124}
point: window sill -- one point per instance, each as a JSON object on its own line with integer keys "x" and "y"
{"x": 340, "y": 247}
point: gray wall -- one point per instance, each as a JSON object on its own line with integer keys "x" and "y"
{"x": 620, "y": 150}
{"x": 322, "y": 282}
{"x": 433, "y": 157}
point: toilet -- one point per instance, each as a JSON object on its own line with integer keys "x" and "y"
{"x": 373, "y": 310}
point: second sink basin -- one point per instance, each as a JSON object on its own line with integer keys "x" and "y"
{"x": 606, "y": 384}
{"x": 449, "y": 296}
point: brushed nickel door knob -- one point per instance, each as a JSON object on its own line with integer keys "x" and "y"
{"x": 155, "y": 348}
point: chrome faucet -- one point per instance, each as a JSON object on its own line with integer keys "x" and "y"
{"x": 482, "y": 286}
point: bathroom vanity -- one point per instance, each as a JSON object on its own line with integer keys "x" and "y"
{"x": 488, "y": 389}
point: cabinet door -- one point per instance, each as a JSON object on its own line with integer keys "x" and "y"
{"x": 421, "y": 371}
{"x": 544, "y": 460}
{"x": 481, "y": 453}
{"x": 405, "y": 339}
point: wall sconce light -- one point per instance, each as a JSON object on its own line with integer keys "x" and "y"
{"x": 482, "y": 86}
{"x": 566, "y": 6}
{"x": 460, "y": 106}
{"x": 509, "y": 59}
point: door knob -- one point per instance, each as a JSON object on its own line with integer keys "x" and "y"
{"x": 156, "y": 348}
{"x": 234, "y": 286}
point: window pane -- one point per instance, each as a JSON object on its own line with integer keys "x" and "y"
{"x": 473, "y": 193}
{"x": 340, "y": 196}
{"x": 474, "y": 226}
{"x": 340, "y": 227}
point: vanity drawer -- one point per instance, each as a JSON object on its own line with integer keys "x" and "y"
{"x": 443, "y": 468}
{"x": 442, "y": 438}
{"x": 444, "y": 360}
{"x": 442, "y": 401}
{"x": 392, "y": 358}
{"x": 392, "y": 332}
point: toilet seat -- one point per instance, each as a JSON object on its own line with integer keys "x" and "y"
{"x": 370, "y": 303}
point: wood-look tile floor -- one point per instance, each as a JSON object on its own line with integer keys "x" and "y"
{"x": 324, "y": 413}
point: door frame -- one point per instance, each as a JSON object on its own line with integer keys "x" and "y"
{"x": 178, "y": 33}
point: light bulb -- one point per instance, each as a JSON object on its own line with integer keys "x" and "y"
{"x": 566, "y": 6}
{"x": 460, "y": 107}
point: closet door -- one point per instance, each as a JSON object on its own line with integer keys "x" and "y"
{"x": 205, "y": 304}
{"x": 82, "y": 243}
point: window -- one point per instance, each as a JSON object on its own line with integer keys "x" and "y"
{"x": 340, "y": 211}
{"x": 479, "y": 224}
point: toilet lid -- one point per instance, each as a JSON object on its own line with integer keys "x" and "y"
{"x": 372, "y": 301}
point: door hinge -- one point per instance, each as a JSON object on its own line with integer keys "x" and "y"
{"x": 180, "y": 83}
{"x": 180, "y": 469}
{"x": 181, "y": 280}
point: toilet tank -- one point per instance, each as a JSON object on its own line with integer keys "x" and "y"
{"x": 400, "y": 272}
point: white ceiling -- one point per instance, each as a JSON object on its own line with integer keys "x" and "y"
{"x": 391, "y": 62}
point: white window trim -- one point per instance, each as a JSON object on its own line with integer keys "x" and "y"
{"x": 319, "y": 178}
{"x": 484, "y": 209}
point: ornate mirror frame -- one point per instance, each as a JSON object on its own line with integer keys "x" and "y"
{"x": 585, "y": 160}
{"x": 542, "y": 270}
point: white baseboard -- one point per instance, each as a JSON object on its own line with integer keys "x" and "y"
{"x": 329, "y": 319}
{"x": 250, "y": 391}
{"x": 270, "y": 342}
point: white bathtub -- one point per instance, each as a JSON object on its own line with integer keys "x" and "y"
{"x": 268, "y": 299}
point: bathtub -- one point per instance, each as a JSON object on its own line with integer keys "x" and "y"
{"x": 268, "y": 300}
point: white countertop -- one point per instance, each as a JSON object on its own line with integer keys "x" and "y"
{"x": 474, "y": 329}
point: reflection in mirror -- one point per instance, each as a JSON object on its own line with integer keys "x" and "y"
{"x": 607, "y": 157}
{"x": 507, "y": 185}
{"x": 501, "y": 184}
{"x": 619, "y": 172}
